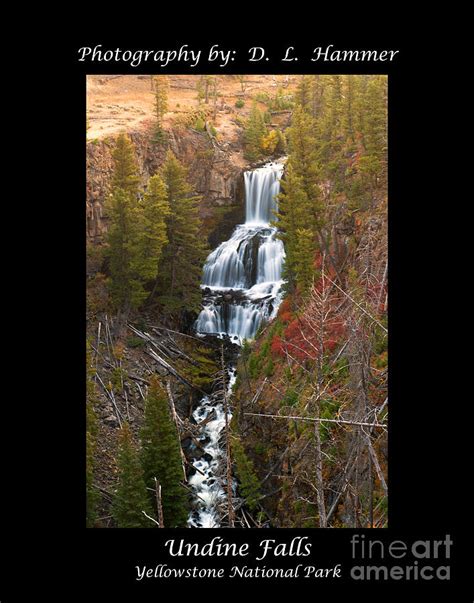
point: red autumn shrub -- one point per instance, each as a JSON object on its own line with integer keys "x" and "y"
{"x": 285, "y": 313}
{"x": 276, "y": 346}
{"x": 299, "y": 340}
{"x": 285, "y": 305}
{"x": 286, "y": 317}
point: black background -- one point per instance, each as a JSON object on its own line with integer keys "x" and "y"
{"x": 57, "y": 556}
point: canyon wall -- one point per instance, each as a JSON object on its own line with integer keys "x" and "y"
{"x": 215, "y": 173}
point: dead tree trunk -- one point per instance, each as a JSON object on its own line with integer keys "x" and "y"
{"x": 319, "y": 478}
{"x": 159, "y": 507}
{"x": 176, "y": 419}
{"x": 322, "y": 311}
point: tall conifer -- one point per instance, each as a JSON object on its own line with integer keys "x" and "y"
{"x": 161, "y": 86}
{"x": 254, "y": 132}
{"x": 125, "y": 290}
{"x": 183, "y": 256}
{"x": 125, "y": 175}
{"x": 304, "y": 161}
{"x": 131, "y": 497}
{"x": 151, "y": 215}
{"x": 293, "y": 212}
{"x": 300, "y": 207}
{"x": 303, "y": 94}
{"x": 121, "y": 208}
{"x": 304, "y": 259}
{"x": 161, "y": 457}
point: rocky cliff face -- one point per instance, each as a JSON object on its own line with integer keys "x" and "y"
{"x": 215, "y": 172}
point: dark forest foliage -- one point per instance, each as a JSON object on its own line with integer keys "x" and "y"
{"x": 324, "y": 359}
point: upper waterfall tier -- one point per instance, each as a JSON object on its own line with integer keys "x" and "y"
{"x": 261, "y": 187}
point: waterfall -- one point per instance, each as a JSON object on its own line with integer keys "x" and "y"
{"x": 241, "y": 285}
{"x": 261, "y": 186}
{"x": 242, "y": 278}
{"x": 208, "y": 480}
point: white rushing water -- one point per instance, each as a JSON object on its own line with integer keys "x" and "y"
{"x": 241, "y": 287}
{"x": 208, "y": 482}
{"x": 261, "y": 187}
{"x": 242, "y": 277}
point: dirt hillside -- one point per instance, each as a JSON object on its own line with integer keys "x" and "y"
{"x": 125, "y": 102}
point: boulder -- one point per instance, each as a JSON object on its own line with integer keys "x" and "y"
{"x": 111, "y": 420}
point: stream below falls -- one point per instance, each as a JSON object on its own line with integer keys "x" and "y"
{"x": 241, "y": 287}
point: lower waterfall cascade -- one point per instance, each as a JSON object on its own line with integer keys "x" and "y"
{"x": 241, "y": 286}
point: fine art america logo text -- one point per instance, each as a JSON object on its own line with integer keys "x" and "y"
{"x": 400, "y": 560}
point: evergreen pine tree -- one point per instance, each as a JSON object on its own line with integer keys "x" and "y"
{"x": 249, "y": 484}
{"x": 348, "y": 101}
{"x": 161, "y": 104}
{"x": 121, "y": 207}
{"x": 254, "y": 132}
{"x": 150, "y": 215}
{"x": 125, "y": 175}
{"x": 371, "y": 116}
{"x": 303, "y": 93}
{"x": 317, "y": 98}
{"x": 375, "y": 135}
{"x": 137, "y": 230}
{"x": 334, "y": 158}
{"x": 294, "y": 210}
{"x": 183, "y": 256}
{"x": 304, "y": 259}
{"x": 126, "y": 289}
{"x": 360, "y": 89}
{"x": 131, "y": 497}
{"x": 304, "y": 161}
{"x": 335, "y": 110}
{"x": 161, "y": 457}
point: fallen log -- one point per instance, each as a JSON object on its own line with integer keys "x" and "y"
{"x": 312, "y": 419}
{"x": 162, "y": 361}
{"x": 112, "y": 399}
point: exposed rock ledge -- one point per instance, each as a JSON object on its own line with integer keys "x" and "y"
{"x": 215, "y": 173}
